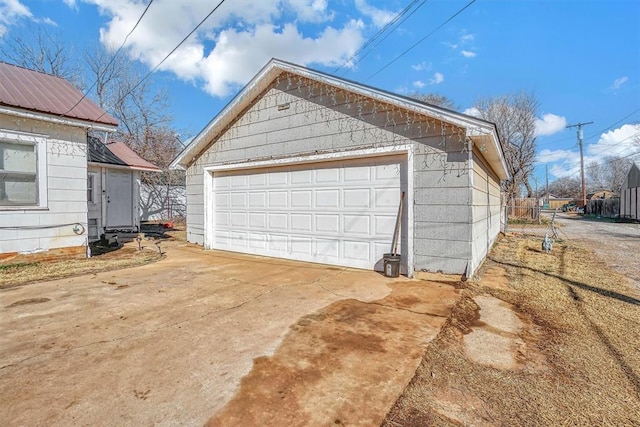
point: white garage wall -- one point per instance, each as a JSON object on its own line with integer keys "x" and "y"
{"x": 288, "y": 120}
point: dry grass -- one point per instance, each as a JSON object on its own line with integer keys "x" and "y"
{"x": 31, "y": 272}
{"x": 583, "y": 363}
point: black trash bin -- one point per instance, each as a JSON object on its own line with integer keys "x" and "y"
{"x": 391, "y": 265}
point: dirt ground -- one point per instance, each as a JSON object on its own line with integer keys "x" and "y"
{"x": 206, "y": 336}
{"x": 538, "y": 339}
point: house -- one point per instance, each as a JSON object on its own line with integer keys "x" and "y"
{"x": 601, "y": 195}
{"x": 630, "y": 194}
{"x": 43, "y": 162}
{"x": 553, "y": 202}
{"x": 307, "y": 166}
{"x": 113, "y": 187}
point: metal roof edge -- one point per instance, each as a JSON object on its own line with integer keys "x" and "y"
{"x": 36, "y": 115}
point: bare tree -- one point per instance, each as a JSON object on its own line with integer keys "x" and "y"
{"x": 436, "y": 99}
{"x": 566, "y": 187}
{"x": 515, "y": 119}
{"x": 609, "y": 174}
{"x": 41, "y": 49}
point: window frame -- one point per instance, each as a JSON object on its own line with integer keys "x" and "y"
{"x": 91, "y": 189}
{"x": 40, "y": 145}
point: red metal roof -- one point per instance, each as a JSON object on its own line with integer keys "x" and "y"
{"x": 44, "y": 93}
{"x": 127, "y": 155}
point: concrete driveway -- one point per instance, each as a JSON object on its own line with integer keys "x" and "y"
{"x": 214, "y": 337}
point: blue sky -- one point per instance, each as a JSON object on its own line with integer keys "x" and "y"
{"x": 581, "y": 59}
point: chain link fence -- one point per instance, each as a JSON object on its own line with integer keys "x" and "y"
{"x": 526, "y": 216}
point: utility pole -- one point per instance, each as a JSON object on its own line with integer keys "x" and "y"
{"x": 584, "y": 183}
{"x": 546, "y": 173}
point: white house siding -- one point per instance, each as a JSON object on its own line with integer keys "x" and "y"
{"x": 292, "y": 119}
{"x": 67, "y": 189}
{"x": 485, "y": 188}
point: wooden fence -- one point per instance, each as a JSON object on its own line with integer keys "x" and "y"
{"x": 608, "y": 208}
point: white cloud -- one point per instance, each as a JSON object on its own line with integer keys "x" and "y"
{"x": 472, "y": 111}
{"x": 436, "y": 79}
{"x": 236, "y": 41}
{"x": 550, "y": 124}
{"x": 618, "y": 142}
{"x": 421, "y": 66}
{"x": 467, "y": 38}
{"x": 621, "y": 142}
{"x": 10, "y": 12}
{"x": 379, "y": 17}
{"x": 71, "y": 3}
{"x": 419, "y": 84}
{"x": 619, "y": 82}
{"x": 468, "y": 54}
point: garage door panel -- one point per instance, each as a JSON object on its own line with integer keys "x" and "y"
{"x": 384, "y": 225}
{"x": 278, "y": 243}
{"x": 301, "y": 222}
{"x": 328, "y": 248}
{"x": 328, "y": 199}
{"x": 386, "y": 198}
{"x": 301, "y": 177}
{"x": 238, "y": 181}
{"x": 341, "y": 213}
{"x": 301, "y": 199}
{"x": 258, "y": 220}
{"x": 278, "y": 199}
{"x": 258, "y": 180}
{"x": 327, "y": 176}
{"x": 357, "y": 174}
{"x": 356, "y": 224}
{"x": 278, "y": 178}
{"x": 258, "y": 240}
{"x": 238, "y": 219}
{"x": 328, "y": 223}
{"x": 258, "y": 199}
{"x": 357, "y": 198}
{"x": 355, "y": 250}
{"x": 278, "y": 221}
{"x": 301, "y": 245}
{"x": 239, "y": 200}
{"x": 238, "y": 239}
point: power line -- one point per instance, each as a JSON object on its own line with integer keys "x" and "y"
{"x": 395, "y": 19}
{"x": 594, "y": 133}
{"x": 113, "y": 58}
{"x": 146, "y": 76}
{"x": 421, "y": 40}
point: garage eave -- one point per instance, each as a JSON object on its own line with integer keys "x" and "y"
{"x": 474, "y": 126}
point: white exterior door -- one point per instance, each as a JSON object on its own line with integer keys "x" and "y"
{"x": 119, "y": 198}
{"x": 339, "y": 212}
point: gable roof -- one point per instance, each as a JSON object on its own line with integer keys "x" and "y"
{"x": 24, "y": 89}
{"x": 480, "y": 131}
{"x": 117, "y": 154}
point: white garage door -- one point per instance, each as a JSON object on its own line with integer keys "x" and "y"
{"x": 341, "y": 213}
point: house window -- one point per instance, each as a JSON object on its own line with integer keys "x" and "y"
{"x": 90, "y": 188}
{"x": 22, "y": 166}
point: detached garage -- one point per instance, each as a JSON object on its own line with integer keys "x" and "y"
{"x": 306, "y": 166}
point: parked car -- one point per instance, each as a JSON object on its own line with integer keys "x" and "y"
{"x": 568, "y": 207}
{"x": 580, "y": 209}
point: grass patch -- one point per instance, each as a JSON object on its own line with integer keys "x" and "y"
{"x": 583, "y": 320}
{"x": 31, "y": 272}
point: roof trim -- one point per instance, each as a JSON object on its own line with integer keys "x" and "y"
{"x": 480, "y": 131}
{"x": 36, "y": 115}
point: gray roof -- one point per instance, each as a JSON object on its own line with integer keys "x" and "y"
{"x": 99, "y": 153}
{"x": 43, "y": 93}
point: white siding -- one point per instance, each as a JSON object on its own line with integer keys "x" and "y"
{"x": 32, "y": 229}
